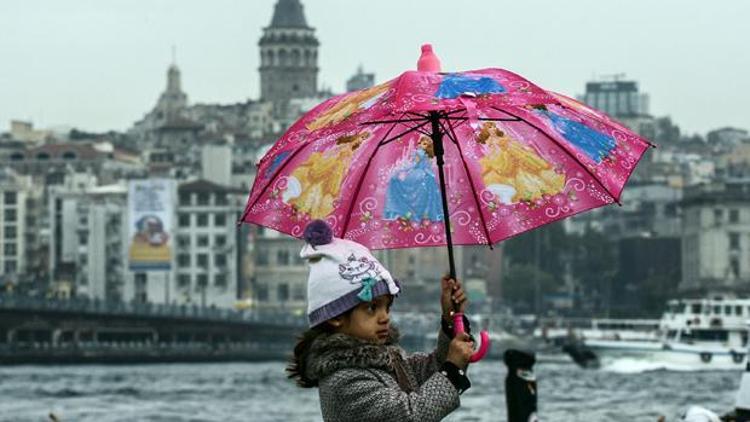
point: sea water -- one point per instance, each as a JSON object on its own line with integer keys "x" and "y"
{"x": 623, "y": 390}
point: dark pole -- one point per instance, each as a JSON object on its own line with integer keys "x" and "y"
{"x": 437, "y": 144}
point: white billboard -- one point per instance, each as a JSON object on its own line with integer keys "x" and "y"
{"x": 150, "y": 206}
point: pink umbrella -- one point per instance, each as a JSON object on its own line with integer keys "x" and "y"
{"x": 508, "y": 157}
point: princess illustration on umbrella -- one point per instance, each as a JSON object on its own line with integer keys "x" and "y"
{"x": 515, "y": 172}
{"x": 413, "y": 192}
{"x": 594, "y": 144}
{"x": 314, "y": 185}
{"x": 348, "y": 105}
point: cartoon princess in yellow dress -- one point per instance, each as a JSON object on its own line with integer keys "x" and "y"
{"x": 314, "y": 185}
{"x": 515, "y": 172}
{"x": 348, "y": 105}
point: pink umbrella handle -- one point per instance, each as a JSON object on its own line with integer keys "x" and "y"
{"x": 484, "y": 344}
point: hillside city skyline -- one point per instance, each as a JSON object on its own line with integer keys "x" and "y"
{"x": 672, "y": 51}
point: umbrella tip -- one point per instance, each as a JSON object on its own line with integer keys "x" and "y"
{"x": 428, "y": 61}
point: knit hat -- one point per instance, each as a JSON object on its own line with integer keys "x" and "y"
{"x": 343, "y": 274}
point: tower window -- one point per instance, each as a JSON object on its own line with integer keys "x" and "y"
{"x": 295, "y": 87}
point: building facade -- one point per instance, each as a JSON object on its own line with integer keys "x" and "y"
{"x": 716, "y": 237}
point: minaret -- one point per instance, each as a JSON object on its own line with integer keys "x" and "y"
{"x": 288, "y": 57}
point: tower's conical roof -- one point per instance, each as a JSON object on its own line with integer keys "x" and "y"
{"x": 288, "y": 14}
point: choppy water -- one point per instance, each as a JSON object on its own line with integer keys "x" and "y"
{"x": 258, "y": 392}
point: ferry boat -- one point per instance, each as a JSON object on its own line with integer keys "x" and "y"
{"x": 692, "y": 334}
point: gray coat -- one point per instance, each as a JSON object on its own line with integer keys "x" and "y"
{"x": 362, "y": 381}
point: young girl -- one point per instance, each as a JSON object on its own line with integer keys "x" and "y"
{"x": 350, "y": 352}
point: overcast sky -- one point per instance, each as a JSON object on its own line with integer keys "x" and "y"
{"x": 101, "y": 64}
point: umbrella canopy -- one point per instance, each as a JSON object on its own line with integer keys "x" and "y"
{"x": 515, "y": 157}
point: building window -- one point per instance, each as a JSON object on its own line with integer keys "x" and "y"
{"x": 299, "y": 292}
{"x": 10, "y": 232}
{"x": 10, "y": 215}
{"x": 261, "y": 257}
{"x": 220, "y": 240}
{"x": 10, "y": 198}
{"x": 221, "y": 199}
{"x": 282, "y": 292}
{"x": 718, "y": 215}
{"x": 220, "y": 280}
{"x": 183, "y": 260}
{"x": 203, "y": 198}
{"x": 185, "y": 198}
{"x": 220, "y": 220}
{"x": 202, "y": 280}
{"x": 202, "y": 220}
{"x": 9, "y": 249}
{"x": 10, "y": 266}
{"x": 183, "y": 219}
{"x": 220, "y": 260}
{"x": 140, "y": 279}
{"x": 183, "y": 241}
{"x": 202, "y": 260}
{"x": 183, "y": 280}
{"x": 734, "y": 264}
{"x": 734, "y": 241}
{"x": 282, "y": 257}
{"x": 203, "y": 240}
{"x": 734, "y": 216}
{"x": 261, "y": 293}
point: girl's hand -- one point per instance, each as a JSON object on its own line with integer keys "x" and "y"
{"x": 452, "y": 292}
{"x": 460, "y": 350}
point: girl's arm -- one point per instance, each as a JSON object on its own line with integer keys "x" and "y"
{"x": 424, "y": 364}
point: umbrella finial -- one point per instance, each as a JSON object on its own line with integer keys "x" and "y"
{"x": 428, "y": 61}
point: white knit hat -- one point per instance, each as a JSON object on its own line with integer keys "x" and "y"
{"x": 343, "y": 274}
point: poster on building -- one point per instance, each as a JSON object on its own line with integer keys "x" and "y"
{"x": 150, "y": 213}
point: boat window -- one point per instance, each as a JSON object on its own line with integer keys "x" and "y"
{"x": 738, "y": 310}
{"x": 671, "y": 334}
{"x": 696, "y": 308}
{"x": 743, "y": 335}
{"x": 727, "y": 310}
{"x": 681, "y": 308}
{"x": 706, "y": 335}
{"x": 717, "y": 309}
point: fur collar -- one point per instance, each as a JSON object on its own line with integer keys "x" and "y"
{"x": 331, "y": 352}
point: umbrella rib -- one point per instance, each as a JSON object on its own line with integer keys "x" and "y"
{"x": 452, "y": 135}
{"x": 376, "y": 122}
{"x": 364, "y": 174}
{"x": 543, "y": 132}
{"x": 483, "y": 119}
{"x": 411, "y": 129}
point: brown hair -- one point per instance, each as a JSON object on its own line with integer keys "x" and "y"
{"x": 356, "y": 139}
{"x": 297, "y": 364}
{"x": 429, "y": 150}
{"x": 487, "y": 129}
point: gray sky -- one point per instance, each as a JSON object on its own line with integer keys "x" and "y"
{"x": 101, "y": 64}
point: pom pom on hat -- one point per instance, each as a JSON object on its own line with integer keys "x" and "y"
{"x": 317, "y": 233}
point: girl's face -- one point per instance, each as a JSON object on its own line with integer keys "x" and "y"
{"x": 369, "y": 320}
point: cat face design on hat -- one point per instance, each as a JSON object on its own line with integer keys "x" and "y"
{"x": 357, "y": 269}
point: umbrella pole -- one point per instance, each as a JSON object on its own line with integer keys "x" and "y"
{"x": 437, "y": 144}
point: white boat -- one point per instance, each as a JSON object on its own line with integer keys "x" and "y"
{"x": 692, "y": 334}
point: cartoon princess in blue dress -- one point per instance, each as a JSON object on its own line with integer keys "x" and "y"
{"x": 413, "y": 192}
{"x": 594, "y": 144}
{"x": 455, "y": 85}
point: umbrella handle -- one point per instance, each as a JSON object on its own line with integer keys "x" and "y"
{"x": 484, "y": 344}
